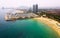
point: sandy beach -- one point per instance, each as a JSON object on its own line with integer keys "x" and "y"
{"x": 51, "y": 23}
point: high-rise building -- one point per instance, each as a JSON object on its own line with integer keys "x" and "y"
{"x": 35, "y": 8}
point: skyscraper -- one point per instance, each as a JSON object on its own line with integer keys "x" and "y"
{"x": 35, "y": 8}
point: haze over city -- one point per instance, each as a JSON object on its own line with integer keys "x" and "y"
{"x": 29, "y": 18}
{"x": 29, "y": 3}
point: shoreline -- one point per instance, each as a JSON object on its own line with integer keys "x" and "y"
{"x": 51, "y": 23}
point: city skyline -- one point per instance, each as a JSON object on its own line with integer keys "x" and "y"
{"x": 29, "y": 3}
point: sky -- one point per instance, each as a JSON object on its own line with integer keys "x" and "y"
{"x": 29, "y": 3}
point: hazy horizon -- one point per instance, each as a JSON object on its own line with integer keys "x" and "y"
{"x": 29, "y": 3}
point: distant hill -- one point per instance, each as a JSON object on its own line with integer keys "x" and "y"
{"x": 54, "y": 11}
{"x": 23, "y": 7}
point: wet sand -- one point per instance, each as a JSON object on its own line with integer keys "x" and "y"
{"x": 51, "y": 23}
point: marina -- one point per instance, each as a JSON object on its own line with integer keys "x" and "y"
{"x": 15, "y": 16}
{"x": 26, "y": 27}
{"x": 29, "y": 19}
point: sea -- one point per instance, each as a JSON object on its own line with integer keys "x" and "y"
{"x": 24, "y": 28}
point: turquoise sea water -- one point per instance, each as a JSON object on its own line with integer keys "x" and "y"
{"x": 27, "y": 28}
